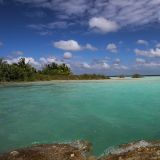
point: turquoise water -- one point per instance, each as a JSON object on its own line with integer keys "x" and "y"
{"x": 106, "y": 113}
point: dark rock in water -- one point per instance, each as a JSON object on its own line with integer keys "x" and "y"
{"x": 80, "y": 150}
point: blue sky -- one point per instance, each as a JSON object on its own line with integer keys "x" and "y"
{"x": 91, "y": 36}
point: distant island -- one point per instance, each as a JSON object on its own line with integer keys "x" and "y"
{"x": 22, "y": 71}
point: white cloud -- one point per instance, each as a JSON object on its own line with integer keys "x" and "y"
{"x": 37, "y": 63}
{"x": 158, "y": 45}
{"x": 123, "y": 12}
{"x": 144, "y": 42}
{"x": 18, "y": 53}
{"x": 148, "y": 64}
{"x": 105, "y": 66}
{"x": 119, "y": 66}
{"x": 29, "y": 60}
{"x": 152, "y": 64}
{"x": 70, "y": 45}
{"x": 90, "y": 47}
{"x": 97, "y": 66}
{"x": 111, "y": 47}
{"x": 140, "y": 61}
{"x": 148, "y": 53}
{"x": 67, "y": 55}
{"x": 86, "y": 65}
{"x": 47, "y": 60}
{"x": 117, "y": 61}
{"x": 103, "y": 25}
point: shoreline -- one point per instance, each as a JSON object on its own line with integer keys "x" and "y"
{"x": 112, "y": 79}
{"x": 64, "y": 81}
{"x": 82, "y": 150}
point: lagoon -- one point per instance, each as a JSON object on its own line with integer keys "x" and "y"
{"x": 105, "y": 112}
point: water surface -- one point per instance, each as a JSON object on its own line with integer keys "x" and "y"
{"x": 106, "y": 113}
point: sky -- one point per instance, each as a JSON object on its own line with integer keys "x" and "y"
{"x": 110, "y": 37}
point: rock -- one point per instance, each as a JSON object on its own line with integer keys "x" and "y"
{"x": 47, "y": 152}
{"x": 14, "y": 153}
{"x": 80, "y": 150}
{"x": 141, "y": 150}
{"x": 91, "y": 158}
{"x": 72, "y": 155}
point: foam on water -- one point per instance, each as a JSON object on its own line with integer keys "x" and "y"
{"x": 129, "y": 147}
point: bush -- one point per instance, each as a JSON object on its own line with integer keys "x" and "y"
{"x": 136, "y": 76}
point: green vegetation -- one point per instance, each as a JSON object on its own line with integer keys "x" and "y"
{"x": 121, "y": 76}
{"x": 136, "y": 76}
{"x": 23, "y": 71}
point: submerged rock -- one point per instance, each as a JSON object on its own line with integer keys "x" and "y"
{"x": 80, "y": 150}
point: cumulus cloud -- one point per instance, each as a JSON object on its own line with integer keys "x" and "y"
{"x": 111, "y": 47}
{"x": 36, "y": 63}
{"x": 119, "y": 66}
{"x": 47, "y": 60}
{"x": 90, "y": 47}
{"x": 117, "y": 61}
{"x": 143, "y": 42}
{"x": 103, "y": 25}
{"x": 86, "y": 65}
{"x": 72, "y": 45}
{"x": 67, "y": 55}
{"x": 149, "y": 64}
{"x": 105, "y": 66}
{"x": 69, "y": 45}
{"x": 148, "y": 53}
{"x": 152, "y": 64}
{"x": 140, "y": 61}
{"x": 29, "y": 60}
{"x": 101, "y": 66}
{"x": 98, "y": 65}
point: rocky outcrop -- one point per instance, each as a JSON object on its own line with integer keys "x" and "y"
{"x": 141, "y": 150}
{"x": 80, "y": 150}
{"x": 73, "y": 151}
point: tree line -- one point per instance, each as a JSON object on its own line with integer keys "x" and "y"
{"x": 22, "y": 71}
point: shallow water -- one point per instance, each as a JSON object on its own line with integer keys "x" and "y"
{"x": 107, "y": 113}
